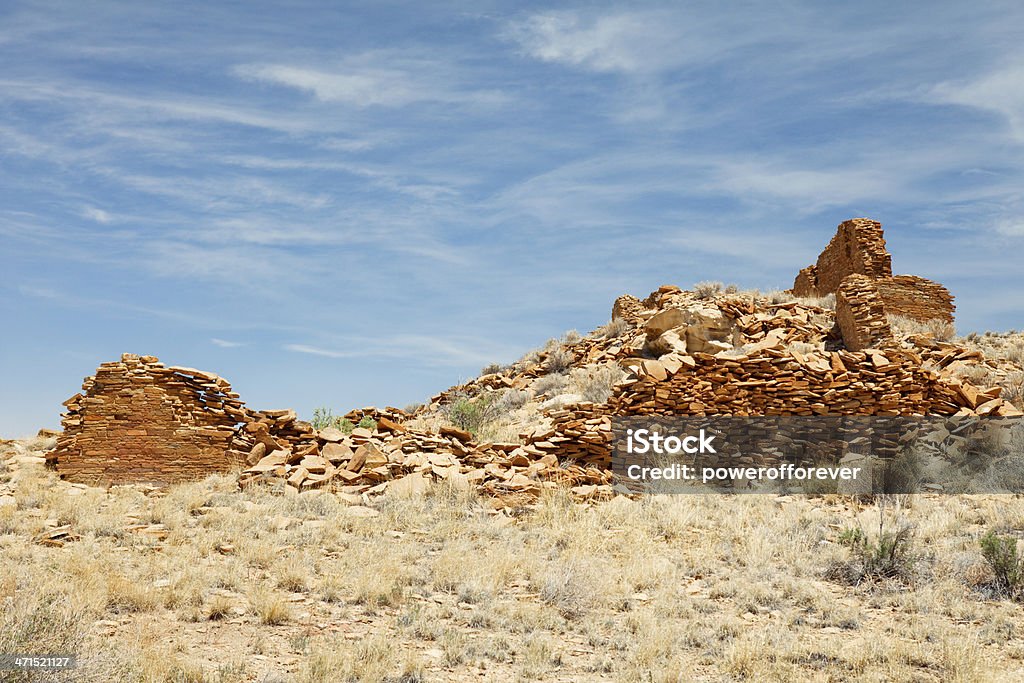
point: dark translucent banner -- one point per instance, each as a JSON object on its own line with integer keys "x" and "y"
{"x": 852, "y": 455}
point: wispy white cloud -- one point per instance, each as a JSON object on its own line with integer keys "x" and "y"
{"x": 317, "y": 351}
{"x": 642, "y": 40}
{"x": 637, "y": 41}
{"x": 225, "y": 344}
{"x": 1011, "y": 227}
{"x": 375, "y": 79}
{"x": 97, "y": 215}
{"x": 997, "y": 91}
{"x": 425, "y": 349}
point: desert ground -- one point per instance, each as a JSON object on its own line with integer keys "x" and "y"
{"x": 202, "y": 582}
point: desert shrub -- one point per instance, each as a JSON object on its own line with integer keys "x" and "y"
{"x": 595, "y": 384}
{"x": 491, "y": 369}
{"x": 550, "y": 385}
{"x": 367, "y": 422}
{"x": 572, "y": 337}
{"x": 778, "y": 296}
{"x": 569, "y": 588}
{"x": 1004, "y": 560}
{"x": 976, "y": 373}
{"x": 509, "y": 401}
{"x": 616, "y": 328}
{"x": 1014, "y": 352}
{"x": 731, "y": 289}
{"x": 707, "y": 289}
{"x": 41, "y": 621}
{"x": 1013, "y": 388}
{"x": 891, "y": 555}
{"x": 469, "y": 413}
{"x": 559, "y": 360}
{"x": 903, "y": 326}
{"x": 271, "y": 607}
{"x": 828, "y": 302}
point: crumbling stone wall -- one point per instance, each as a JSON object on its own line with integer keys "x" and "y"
{"x": 138, "y": 421}
{"x": 806, "y": 283}
{"x": 916, "y": 298}
{"x": 627, "y": 307}
{"x": 770, "y": 380}
{"x": 857, "y": 248}
{"x": 861, "y": 314}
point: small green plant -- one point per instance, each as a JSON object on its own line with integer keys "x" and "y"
{"x": 367, "y": 423}
{"x": 890, "y": 555}
{"x": 852, "y": 537}
{"x": 323, "y": 418}
{"x": 1002, "y": 557}
{"x": 469, "y": 413}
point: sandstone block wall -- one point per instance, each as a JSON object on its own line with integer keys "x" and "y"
{"x": 138, "y": 421}
{"x": 806, "y": 282}
{"x": 769, "y": 381}
{"x": 857, "y": 248}
{"x": 861, "y": 314}
{"x": 627, "y": 307}
{"x": 858, "y": 251}
{"x": 915, "y": 297}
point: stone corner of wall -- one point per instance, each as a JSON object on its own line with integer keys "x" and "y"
{"x": 861, "y": 315}
{"x": 806, "y": 282}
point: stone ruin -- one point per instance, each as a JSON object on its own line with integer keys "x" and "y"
{"x": 138, "y": 421}
{"x": 857, "y": 269}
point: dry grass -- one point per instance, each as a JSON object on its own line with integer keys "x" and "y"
{"x": 905, "y": 327}
{"x": 440, "y": 588}
{"x": 707, "y": 289}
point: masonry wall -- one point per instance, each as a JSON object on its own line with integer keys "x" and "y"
{"x": 861, "y": 314}
{"x": 857, "y": 248}
{"x": 806, "y": 283}
{"x": 138, "y": 421}
{"x": 772, "y": 381}
{"x": 916, "y": 298}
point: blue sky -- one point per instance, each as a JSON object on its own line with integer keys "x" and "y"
{"x": 343, "y": 205}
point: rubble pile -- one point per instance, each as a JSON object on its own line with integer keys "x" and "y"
{"x": 393, "y": 456}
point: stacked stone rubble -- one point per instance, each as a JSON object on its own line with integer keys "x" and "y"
{"x": 768, "y": 375}
{"x": 392, "y": 456}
